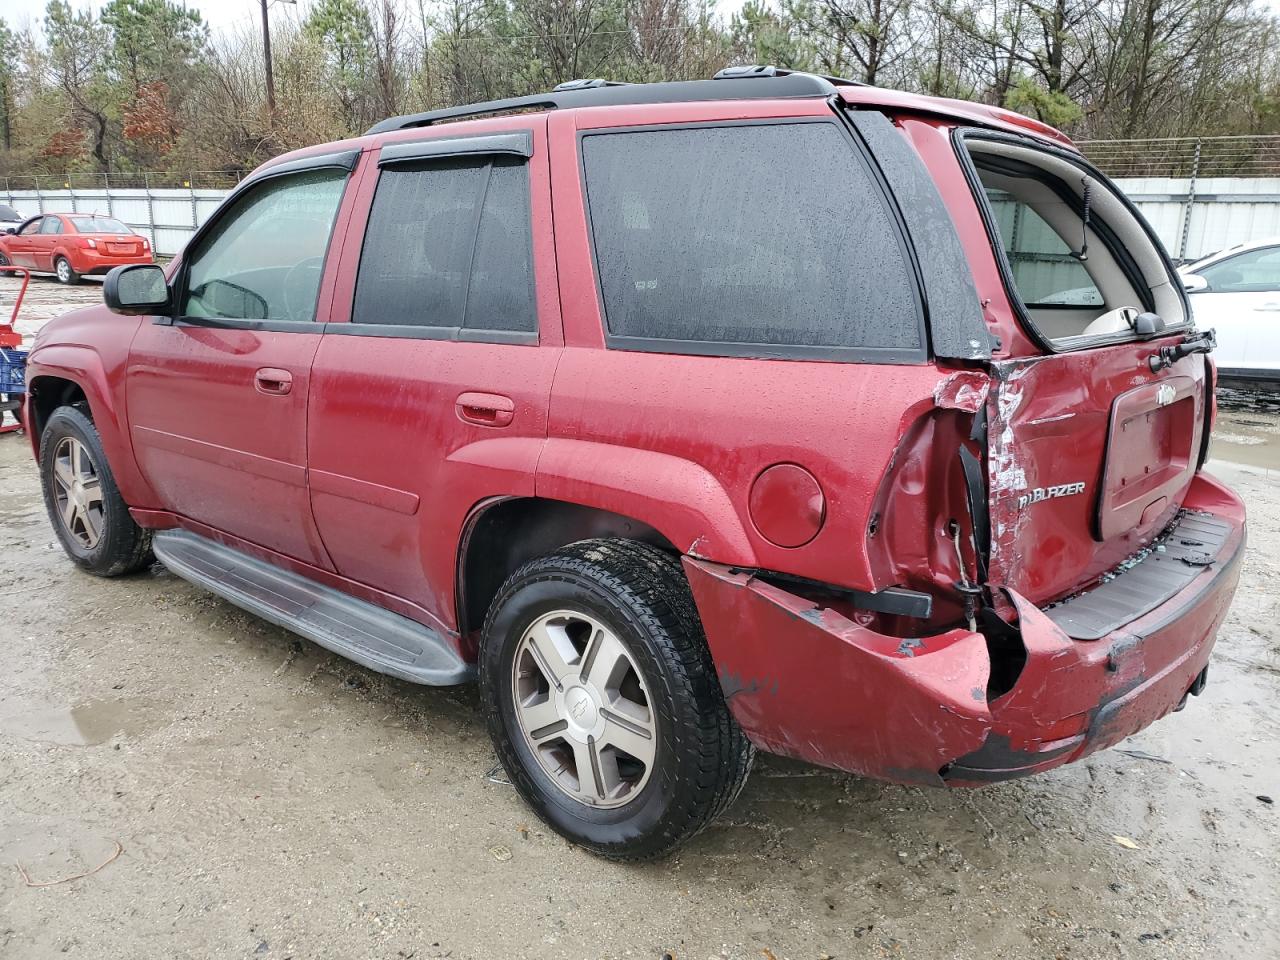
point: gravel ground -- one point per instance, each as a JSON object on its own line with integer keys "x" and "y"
{"x": 258, "y": 797}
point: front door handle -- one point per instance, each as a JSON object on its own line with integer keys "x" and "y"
{"x": 273, "y": 382}
{"x": 485, "y": 409}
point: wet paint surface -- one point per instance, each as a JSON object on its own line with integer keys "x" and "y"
{"x": 268, "y": 793}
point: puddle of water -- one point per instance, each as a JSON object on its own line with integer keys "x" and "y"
{"x": 85, "y": 725}
{"x": 1248, "y": 429}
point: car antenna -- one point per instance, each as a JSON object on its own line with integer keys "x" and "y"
{"x": 1083, "y": 254}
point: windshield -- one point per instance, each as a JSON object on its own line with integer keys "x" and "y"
{"x": 99, "y": 225}
{"x": 8, "y": 213}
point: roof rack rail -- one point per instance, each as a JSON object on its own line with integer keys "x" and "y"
{"x": 768, "y": 70}
{"x": 782, "y": 84}
{"x": 586, "y": 84}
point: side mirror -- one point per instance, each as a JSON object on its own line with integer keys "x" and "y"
{"x": 1194, "y": 283}
{"x": 10, "y": 230}
{"x": 1147, "y": 325}
{"x": 136, "y": 289}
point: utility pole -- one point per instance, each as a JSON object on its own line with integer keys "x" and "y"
{"x": 266, "y": 53}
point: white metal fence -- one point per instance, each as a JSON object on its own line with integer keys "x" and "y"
{"x": 166, "y": 211}
{"x": 1197, "y": 217}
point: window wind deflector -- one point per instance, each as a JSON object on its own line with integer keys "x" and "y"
{"x": 343, "y": 160}
{"x": 509, "y": 144}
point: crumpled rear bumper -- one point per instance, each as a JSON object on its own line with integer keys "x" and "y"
{"x": 806, "y": 682}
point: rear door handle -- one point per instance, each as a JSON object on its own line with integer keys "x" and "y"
{"x": 485, "y": 409}
{"x": 273, "y": 382}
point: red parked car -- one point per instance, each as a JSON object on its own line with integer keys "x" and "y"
{"x": 73, "y": 245}
{"x": 692, "y": 418}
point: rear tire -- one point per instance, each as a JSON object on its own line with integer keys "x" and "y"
{"x": 88, "y": 514}
{"x": 65, "y": 272}
{"x": 663, "y": 703}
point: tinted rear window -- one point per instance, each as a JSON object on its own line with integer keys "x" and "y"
{"x": 449, "y": 245}
{"x": 754, "y": 235}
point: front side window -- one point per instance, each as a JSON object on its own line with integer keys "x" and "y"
{"x": 449, "y": 247}
{"x": 264, "y": 258}
{"x": 1257, "y": 271}
{"x": 760, "y": 239}
{"x": 32, "y": 227}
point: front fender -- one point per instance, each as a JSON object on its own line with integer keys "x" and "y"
{"x": 101, "y": 380}
{"x": 680, "y": 499}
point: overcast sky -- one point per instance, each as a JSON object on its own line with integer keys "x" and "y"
{"x": 219, "y": 14}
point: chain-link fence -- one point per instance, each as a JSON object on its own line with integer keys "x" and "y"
{"x": 195, "y": 179}
{"x": 1244, "y": 156}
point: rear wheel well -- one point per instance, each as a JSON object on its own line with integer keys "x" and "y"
{"x": 504, "y": 536}
{"x": 50, "y": 393}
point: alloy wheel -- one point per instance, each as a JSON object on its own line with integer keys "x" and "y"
{"x": 584, "y": 709}
{"x": 64, "y": 270}
{"x": 77, "y": 492}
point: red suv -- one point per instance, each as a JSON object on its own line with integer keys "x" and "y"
{"x": 770, "y": 410}
{"x": 72, "y": 245}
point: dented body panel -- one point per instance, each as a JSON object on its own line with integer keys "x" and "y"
{"x": 806, "y": 681}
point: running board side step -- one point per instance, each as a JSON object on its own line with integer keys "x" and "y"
{"x": 358, "y": 630}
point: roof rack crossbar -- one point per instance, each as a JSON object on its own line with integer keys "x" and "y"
{"x": 783, "y": 85}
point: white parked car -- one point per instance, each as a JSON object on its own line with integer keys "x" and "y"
{"x": 10, "y": 219}
{"x": 1237, "y": 293}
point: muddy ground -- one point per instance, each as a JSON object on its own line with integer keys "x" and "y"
{"x": 271, "y": 800}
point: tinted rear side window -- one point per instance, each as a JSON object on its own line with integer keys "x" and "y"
{"x": 741, "y": 238}
{"x": 449, "y": 246}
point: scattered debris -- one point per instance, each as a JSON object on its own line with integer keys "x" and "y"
{"x": 501, "y": 852}
{"x": 497, "y": 775}
{"x": 26, "y": 878}
{"x": 1124, "y": 842}
{"x": 1143, "y": 755}
{"x": 1265, "y": 799}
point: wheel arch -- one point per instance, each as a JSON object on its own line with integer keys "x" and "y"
{"x": 46, "y": 394}
{"x": 504, "y": 533}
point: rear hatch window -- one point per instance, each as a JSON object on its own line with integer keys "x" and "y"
{"x": 1079, "y": 262}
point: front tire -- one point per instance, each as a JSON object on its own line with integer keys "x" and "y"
{"x": 603, "y": 703}
{"x": 65, "y": 273}
{"x": 87, "y": 512}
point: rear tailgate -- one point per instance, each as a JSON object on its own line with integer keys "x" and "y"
{"x": 1090, "y": 456}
